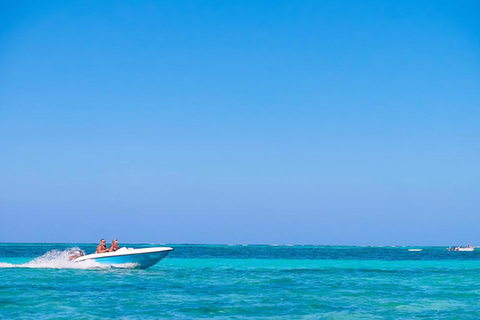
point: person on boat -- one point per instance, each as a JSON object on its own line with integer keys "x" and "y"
{"x": 102, "y": 247}
{"x": 114, "y": 247}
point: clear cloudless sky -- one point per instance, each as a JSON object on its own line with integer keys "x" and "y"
{"x": 289, "y": 122}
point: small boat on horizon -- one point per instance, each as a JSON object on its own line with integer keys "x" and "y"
{"x": 468, "y": 248}
{"x": 139, "y": 258}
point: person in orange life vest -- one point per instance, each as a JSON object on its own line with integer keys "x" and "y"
{"x": 114, "y": 247}
{"x": 102, "y": 247}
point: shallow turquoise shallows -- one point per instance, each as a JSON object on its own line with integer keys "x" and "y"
{"x": 220, "y": 281}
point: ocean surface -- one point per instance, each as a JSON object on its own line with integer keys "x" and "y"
{"x": 237, "y": 281}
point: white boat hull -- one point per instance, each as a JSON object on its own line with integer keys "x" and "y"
{"x": 139, "y": 258}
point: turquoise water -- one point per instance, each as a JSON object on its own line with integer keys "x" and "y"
{"x": 221, "y": 281}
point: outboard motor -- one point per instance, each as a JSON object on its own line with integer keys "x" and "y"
{"x": 75, "y": 253}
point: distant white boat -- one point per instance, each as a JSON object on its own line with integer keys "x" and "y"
{"x": 415, "y": 249}
{"x": 464, "y": 249}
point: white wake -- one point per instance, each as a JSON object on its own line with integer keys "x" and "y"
{"x": 56, "y": 259}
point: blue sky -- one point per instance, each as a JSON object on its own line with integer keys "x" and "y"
{"x": 291, "y": 122}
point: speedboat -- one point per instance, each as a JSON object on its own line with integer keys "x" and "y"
{"x": 464, "y": 249}
{"x": 137, "y": 258}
